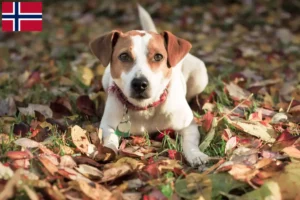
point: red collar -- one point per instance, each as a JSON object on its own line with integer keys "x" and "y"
{"x": 124, "y": 100}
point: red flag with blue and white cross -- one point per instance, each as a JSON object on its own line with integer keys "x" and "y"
{"x": 22, "y": 16}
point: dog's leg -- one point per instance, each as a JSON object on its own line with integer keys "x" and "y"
{"x": 111, "y": 118}
{"x": 190, "y": 144}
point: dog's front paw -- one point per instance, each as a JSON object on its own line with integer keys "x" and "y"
{"x": 197, "y": 159}
{"x": 112, "y": 142}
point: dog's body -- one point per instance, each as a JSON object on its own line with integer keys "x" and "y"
{"x": 143, "y": 65}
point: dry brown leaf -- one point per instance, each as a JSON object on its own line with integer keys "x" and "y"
{"x": 292, "y": 151}
{"x": 236, "y": 92}
{"x": 26, "y": 143}
{"x": 67, "y": 161}
{"x": 43, "y": 109}
{"x": 242, "y": 172}
{"x": 266, "y": 133}
{"x": 94, "y": 190}
{"x": 79, "y": 138}
{"x": 116, "y": 172}
{"x": 48, "y": 164}
{"x": 89, "y": 171}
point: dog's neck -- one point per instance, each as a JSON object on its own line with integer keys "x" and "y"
{"x": 123, "y": 99}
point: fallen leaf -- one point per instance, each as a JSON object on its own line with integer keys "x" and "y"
{"x": 43, "y": 109}
{"x": 242, "y": 172}
{"x": 256, "y": 116}
{"x": 89, "y": 171}
{"x": 86, "y": 160}
{"x": 230, "y": 144}
{"x": 85, "y": 75}
{"x": 236, "y": 92}
{"x": 289, "y": 181}
{"x": 116, "y": 172}
{"x": 270, "y": 190}
{"x": 194, "y": 186}
{"x": 256, "y": 129}
{"x": 207, "y": 121}
{"x": 21, "y": 129}
{"x": 223, "y": 182}
{"x": 16, "y": 155}
{"x": 79, "y": 138}
{"x": 295, "y": 110}
{"x": 86, "y": 105}
{"x": 48, "y": 164}
{"x": 210, "y": 135}
{"x": 67, "y": 161}
{"x": 26, "y": 143}
{"x": 94, "y": 190}
{"x": 34, "y": 78}
{"x": 292, "y": 151}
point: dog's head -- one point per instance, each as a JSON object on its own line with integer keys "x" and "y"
{"x": 141, "y": 62}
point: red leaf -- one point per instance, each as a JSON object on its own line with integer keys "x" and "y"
{"x": 285, "y": 139}
{"x": 33, "y": 79}
{"x": 15, "y": 155}
{"x": 172, "y": 153}
{"x": 152, "y": 170}
{"x": 85, "y": 105}
{"x": 256, "y": 116}
{"x": 207, "y": 121}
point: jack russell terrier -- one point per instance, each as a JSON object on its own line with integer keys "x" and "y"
{"x": 149, "y": 79}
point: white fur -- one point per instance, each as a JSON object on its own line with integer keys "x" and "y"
{"x": 188, "y": 79}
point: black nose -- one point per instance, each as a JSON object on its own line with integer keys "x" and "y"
{"x": 139, "y": 85}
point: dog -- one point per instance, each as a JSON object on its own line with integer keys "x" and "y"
{"x": 149, "y": 79}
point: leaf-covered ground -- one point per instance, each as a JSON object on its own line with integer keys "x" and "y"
{"x": 51, "y": 103}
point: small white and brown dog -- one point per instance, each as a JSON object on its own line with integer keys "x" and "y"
{"x": 149, "y": 79}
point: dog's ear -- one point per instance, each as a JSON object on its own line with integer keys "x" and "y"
{"x": 177, "y": 48}
{"x": 102, "y": 47}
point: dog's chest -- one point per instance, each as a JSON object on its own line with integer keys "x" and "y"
{"x": 149, "y": 121}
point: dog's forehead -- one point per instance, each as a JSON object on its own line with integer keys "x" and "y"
{"x": 143, "y": 38}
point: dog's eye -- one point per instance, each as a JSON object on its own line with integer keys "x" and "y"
{"x": 124, "y": 57}
{"x": 158, "y": 57}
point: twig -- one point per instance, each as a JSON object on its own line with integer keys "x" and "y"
{"x": 236, "y": 107}
{"x": 290, "y": 105}
{"x": 214, "y": 167}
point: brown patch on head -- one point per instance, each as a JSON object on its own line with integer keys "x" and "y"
{"x": 156, "y": 45}
{"x": 124, "y": 45}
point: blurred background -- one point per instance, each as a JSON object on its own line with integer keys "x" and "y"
{"x": 239, "y": 40}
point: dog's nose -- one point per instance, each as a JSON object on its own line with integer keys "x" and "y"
{"x": 139, "y": 85}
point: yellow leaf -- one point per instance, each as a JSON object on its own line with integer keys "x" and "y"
{"x": 85, "y": 75}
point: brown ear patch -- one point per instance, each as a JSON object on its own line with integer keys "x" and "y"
{"x": 102, "y": 47}
{"x": 177, "y": 48}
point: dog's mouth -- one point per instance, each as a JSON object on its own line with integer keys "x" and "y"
{"x": 140, "y": 96}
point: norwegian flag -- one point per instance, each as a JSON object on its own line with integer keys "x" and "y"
{"x": 22, "y": 16}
